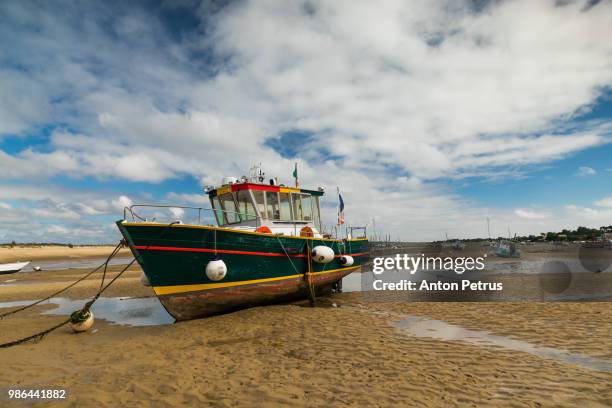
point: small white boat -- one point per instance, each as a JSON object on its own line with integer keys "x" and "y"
{"x": 12, "y": 267}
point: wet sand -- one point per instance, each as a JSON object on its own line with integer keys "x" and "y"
{"x": 350, "y": 355}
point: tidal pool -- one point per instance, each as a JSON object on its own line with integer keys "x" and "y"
{"x": 116, "y": 310}
{"x": 430, "y": 328}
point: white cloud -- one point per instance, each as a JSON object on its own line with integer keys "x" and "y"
{"x": 121, "y": 202}
{"x": 593, "y": 216}
{"x": 197, "y": 199}
{"x": 177, "y": 213}
{"x": 420, "y": 92}
{"x": 585, "y": 171}
{"x": 604, "y": 202}
{"x": 530, "y": 214}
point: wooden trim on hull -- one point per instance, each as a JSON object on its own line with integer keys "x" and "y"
{"x": 202, "y": 302}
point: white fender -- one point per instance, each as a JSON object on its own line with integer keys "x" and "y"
{"x": 144, "y": 280}
{"x": 85, "y": 325}
{"x": 346, "y": 260}
{"x": 322, "y": 254}
{"x": 216, "y": 270}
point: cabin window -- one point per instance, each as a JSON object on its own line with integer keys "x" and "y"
{"x": 296, "y": 203}
{"x": 273, "y": 211}
{"x": 285, "y": 207}
{"x": 245, "y": 205}
{"x": 307, "y": 207}
{"x": 217, "y": 210}
{"x": 258, "y": 195}
{"x": 302, "y": 207}
{"x": 229, "y": 208}
{"x": 316, "y": 217}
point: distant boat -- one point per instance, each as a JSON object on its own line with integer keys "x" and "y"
{"x": 457, "y": 244}
{"x": 14, "y": 267}
{"x": 507, "y": 249}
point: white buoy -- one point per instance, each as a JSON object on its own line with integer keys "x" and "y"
{"x": 216, "y": 270}
{"x": 144, "y": 280}
{"x": 80, "y": 325}
{"x": 346, "y": 260}
{"x": 322, "y": 254}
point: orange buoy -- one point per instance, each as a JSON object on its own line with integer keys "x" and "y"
{"x": 306, "y": 232}
{"x": 264, "y": 230}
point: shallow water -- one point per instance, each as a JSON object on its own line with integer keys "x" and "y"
{"x": 57, "y": 264}
{"x": 117, "y": 310}
{"x": 437, "y": 329}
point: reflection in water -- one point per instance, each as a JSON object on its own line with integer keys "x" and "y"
{"x": 437, "y": 329}
{"x": 123, "y": 311}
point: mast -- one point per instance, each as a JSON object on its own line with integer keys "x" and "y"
{"x": 374, "y": 228}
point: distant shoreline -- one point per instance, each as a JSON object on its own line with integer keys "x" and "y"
{"x": 38, "y": 252}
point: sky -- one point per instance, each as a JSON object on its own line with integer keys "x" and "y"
{"x": 430, "y": 116}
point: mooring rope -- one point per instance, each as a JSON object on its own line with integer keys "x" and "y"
{"x": 40, "y": 335}
{"x": 287, "y": 254}
{"x": 311, "y": 290}
{"x": 105, "y": 265}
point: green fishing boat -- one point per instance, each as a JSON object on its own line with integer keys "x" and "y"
{"x": 267, "y": 246}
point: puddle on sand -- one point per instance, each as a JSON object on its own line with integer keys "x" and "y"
{"x": 437, "y": 329}
{"x": 116, "y": 310}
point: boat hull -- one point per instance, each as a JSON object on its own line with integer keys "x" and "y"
{"x": 193, "y": 305}
{"x": 262, "y": 268}
{"x": 15, "y": 267}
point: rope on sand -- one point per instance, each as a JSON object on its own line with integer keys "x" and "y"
{"x": 40, "y": 335}
{"x": 85, "y": 310}
{"x": 105, "y": 265}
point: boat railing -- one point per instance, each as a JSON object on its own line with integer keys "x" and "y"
{"x": 129, "y": 211}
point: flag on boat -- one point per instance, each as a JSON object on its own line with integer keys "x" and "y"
{"x": 340, "y": 209}
{"x": 295, "y": 176}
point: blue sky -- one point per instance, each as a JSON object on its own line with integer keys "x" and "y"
{"x": 430, "y": 117}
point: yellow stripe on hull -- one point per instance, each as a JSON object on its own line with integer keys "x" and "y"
{"x": 170, "y": 290}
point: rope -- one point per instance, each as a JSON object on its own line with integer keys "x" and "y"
{"x": 311, "y": 291}
{"x": 35, "y": 337}
{"x": 105, "y": 264}
{"x": 39, "y": 336}
{"x": 287, "y": 254}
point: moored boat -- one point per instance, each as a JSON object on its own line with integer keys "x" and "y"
{"x": 12, "y": 267}
{"x": 507, "y": 249}
{"x": 267, "y": 247}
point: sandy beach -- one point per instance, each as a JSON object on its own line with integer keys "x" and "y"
{"x": 351, "y": 350}
{"x": 51, "y": 252}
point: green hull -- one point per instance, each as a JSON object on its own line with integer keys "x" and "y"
{"x": 261, "y": 268}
